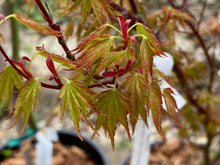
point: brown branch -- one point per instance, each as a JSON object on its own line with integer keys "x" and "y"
{"x": 133, "y": 6}
{"x": 205, "y": 49}
{"x": 184, "y": 83}
{"x": 124, "y": 11}
{"x": 56, "y": 27}
{"x": 202, "y": 13}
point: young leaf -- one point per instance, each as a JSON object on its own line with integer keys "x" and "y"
{"x": 119, "y": 57}
{"x": 99, "y": 47}
{"x": 135, "y": 86}
{"x": 77, "y": 99}
{"x": 8, "y": 78}
{"x": 115, "y": 107}
{"x": 153, "y": 43}
{"x": 55, "y": 57}
{"x": 170, "y": 103}
{"x": 36, "y": 25}
{"x": 26, "y": 101}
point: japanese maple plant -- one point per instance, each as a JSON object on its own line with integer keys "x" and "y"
{"x": 113, "y": 75}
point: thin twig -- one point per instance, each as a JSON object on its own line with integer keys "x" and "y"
{"x": 56, "y": 27}
{"x": 124, "y": 11}
{"x": 205, "y": 49}
{"x": 202, "y": 13}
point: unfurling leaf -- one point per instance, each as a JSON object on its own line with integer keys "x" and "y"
{"x": 51, "y": 67}
{"x": 8, "y": 79}
{"x": 77, "y": 99}
{"x": 27, "y": 101}
{"x": 114, "y": 107}
{"x": 170, "y": 103}
{"x": 36, "y": 25}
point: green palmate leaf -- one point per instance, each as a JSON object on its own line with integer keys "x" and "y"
{"x": 36, "y": 25}
{"x": 77, "y": 99}
{"x": 26, "y": 101}
{"x": 8, "y": 78}
{"x": 135, "y": 86}
{"x": 170, "y": 103}
{"x": 155, "y": 98}
{"x": 114, "y": 107}
{"x": 153, "y": 43}
{"x": 99, "y": 47}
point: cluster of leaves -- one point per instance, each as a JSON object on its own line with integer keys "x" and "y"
{"x": 119, "y": 63}
{"x": 169, "y": 21}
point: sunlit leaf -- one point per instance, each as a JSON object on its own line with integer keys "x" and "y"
{"x": 8, "y": 79}
{"x": 26, "y": 101}
{"x": 77, "y": 99}
{"x": 115, "y": 107}
{"x": 36, "y": 25}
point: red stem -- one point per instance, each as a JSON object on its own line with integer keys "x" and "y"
{"x": 56, "y": 27}
{"x": 12, "y": 64}
{"x": 22, "y": 74}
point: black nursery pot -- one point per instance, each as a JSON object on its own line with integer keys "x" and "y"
{"x": 71, "y": 138}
